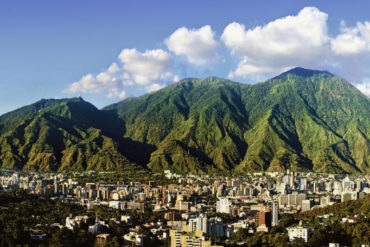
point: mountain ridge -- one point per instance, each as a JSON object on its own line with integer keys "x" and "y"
{"x": 300, "y": 120}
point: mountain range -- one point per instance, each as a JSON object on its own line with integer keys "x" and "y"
{"x": 302, "y": 120}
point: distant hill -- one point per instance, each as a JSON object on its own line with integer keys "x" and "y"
{"x": 67, "y": 134}
{"x": 300, "y": 120}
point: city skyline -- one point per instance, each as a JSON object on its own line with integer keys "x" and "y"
{"x": 198, "y": 210}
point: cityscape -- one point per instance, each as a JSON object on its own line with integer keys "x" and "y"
{"x": 185, "y": 123}
{"x": 192, "y": 210}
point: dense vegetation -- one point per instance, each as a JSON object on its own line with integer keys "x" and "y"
{"x": 26, "y": 214}
{"x": 300, "y": 120}
{"x": 142, "y": 176}
{"x": 22, "y": 214}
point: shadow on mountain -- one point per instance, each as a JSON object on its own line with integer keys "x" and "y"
{"x": 136, "y": 151}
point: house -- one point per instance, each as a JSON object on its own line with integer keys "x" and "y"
{"x": 102, "y": 239}
{"x": 73, "y": 224}
{"x": 349, "y": 219}
{"x": 133, "y": 239}
{"x": 299, "y": 232}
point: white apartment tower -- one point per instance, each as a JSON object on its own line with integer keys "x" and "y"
{"x": 275, "y": 214}
{"x": 223, "y": 205}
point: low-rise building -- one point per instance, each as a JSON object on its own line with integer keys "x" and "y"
{"x": 133, "y": 239}
{"x": 299, "y": 232}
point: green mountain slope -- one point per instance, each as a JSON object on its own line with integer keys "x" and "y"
{"x": 60, "y": 135}
{"x": 300, "y": 120}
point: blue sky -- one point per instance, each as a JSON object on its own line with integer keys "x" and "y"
{"x": 105, "y": 51}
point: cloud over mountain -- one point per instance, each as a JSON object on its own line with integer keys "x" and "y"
{"x": 259, "y": 52}
{"x": 300, "y": 40}
{"x": 198, "y": 45}
{"x": 149, "y": 67}
{"x": 352, "y": 40}
{"x": 282, "y": 43}
{"x": 107, "y": 82}
{"x": 364, "y": 88}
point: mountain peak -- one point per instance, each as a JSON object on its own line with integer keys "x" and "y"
{"x": 51, "y": 101}
{"x": 304, "y": 72}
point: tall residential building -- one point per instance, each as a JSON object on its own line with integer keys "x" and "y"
{"x": 291, "y": 181}
{"x": 200, "y": 223}
{"x": 358, "y": 185}
{"x": 247, "y": 192}
{"x": 294, "y": 199}
{"x": 217, "y": 228}
{"x": 223, "y": 205}
{"x": 325, "y": 200}
{"x": 303, "y": 184}
{"x": 346, "y": 196}
{"x": 316, "y": 187}
{"x": 264, "y": 217}
{"x": 306, "y": 205}
{"x": 275, "y": 214}
{"x": 56, "y": 187}
{"x": 329, "y": 186}
{"x": 348, "y": 184}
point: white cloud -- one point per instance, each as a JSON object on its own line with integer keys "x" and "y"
{"x": 154, "y": 87}
{"x": 122, "y": 94}
{"x": 113, "y": 68}
{"x": 245, "y": 69}
{"x": 364, "y": 88}
{"x": 288, "y": 36}
{"x": 352, "y": 40}
{"x": 116, "y": 93}
{"x": 147, "y": 67}
{"x": 262, "y": 51}
{"x": 198, "y": 45}
{"x": 103, "y": 82}
{"x": 152, "y": 66}
{"x": 176, "y": 78}
{"x": 285, "y": 42}
{"x": 300, "y": 40}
